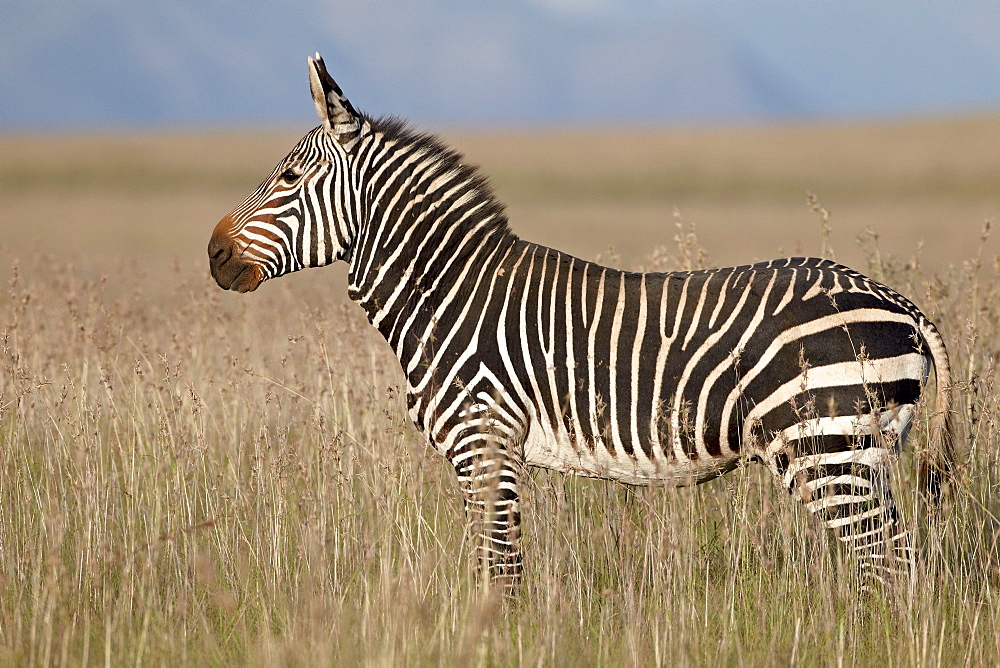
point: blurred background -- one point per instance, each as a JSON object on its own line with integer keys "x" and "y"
{"x": 210, "y": 478}
{"x": 128, "y": 129}
{"x": 190, "y": 63}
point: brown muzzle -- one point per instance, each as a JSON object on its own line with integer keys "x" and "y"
{"x": 225, "y": 258}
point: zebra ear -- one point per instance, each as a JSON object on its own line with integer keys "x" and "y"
{"x": 338, "y": 116}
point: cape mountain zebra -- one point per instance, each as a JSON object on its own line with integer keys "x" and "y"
{"x": 516, "y": 354}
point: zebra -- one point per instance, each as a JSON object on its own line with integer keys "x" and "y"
{"x": 516, "y": 355}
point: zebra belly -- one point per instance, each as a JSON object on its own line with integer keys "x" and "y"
{"x": 554, "y": 449}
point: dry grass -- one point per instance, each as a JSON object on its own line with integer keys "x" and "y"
{"x": 191, "y": 475}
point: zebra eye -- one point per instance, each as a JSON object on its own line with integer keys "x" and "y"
{"x": 289, "y": 176}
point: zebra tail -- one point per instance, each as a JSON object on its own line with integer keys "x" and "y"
{"x": 935, "y": 465}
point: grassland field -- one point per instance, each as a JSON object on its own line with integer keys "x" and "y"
{"x": 191, "y": 476}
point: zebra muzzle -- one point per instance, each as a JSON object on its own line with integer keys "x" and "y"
{"x": 229, "y": 269}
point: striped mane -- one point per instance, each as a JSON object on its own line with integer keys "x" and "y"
{"x": 433, "y": 148}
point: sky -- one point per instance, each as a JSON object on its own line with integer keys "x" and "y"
{"x": 105, "y": 64}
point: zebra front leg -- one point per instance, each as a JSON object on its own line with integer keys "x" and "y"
{"x": 489, "y": 476}
{"x": 848, "y": 490}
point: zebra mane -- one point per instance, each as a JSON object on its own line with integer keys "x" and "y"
{"x": 478, "y": 184}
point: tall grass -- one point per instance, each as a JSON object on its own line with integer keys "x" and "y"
{"x": 188, "y": 475}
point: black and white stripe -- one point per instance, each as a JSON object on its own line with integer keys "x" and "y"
{"x": 516, "y": 354}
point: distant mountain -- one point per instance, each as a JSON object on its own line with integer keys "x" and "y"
{"x": 107, "y": 63}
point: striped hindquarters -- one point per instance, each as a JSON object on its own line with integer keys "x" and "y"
{"x": 644, "y": 377}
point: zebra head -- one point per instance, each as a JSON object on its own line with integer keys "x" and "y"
{"x": 304, "y": 214}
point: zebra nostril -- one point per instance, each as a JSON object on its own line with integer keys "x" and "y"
{"x": 220, "y": 250}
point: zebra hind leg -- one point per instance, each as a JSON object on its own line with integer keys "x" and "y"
{"x": 844, "y": 480}
{"x": 489, "y": 477}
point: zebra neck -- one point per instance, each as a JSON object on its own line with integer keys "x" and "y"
{"x": 423, "y": 267}
{"x": 430, "y": 221}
